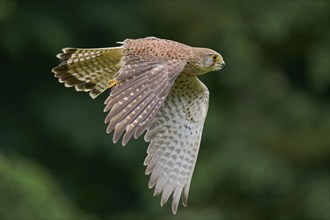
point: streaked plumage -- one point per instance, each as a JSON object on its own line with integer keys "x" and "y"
{"x": 156, "y": 91}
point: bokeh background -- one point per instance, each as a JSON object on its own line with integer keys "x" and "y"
{"x": 265, "y": 146}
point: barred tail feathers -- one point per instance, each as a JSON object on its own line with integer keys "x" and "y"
{"x": 88, "y": 70}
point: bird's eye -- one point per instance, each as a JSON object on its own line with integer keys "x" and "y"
{"x": 214, "y": 57}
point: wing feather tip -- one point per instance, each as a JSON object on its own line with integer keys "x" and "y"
{"x": 115, "y": 139}
{"x": 174, "y": 207}
{"x": 162, "y": 202}
{"x": 184, "y": 200}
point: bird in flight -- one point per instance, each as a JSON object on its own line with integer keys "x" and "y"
{"x": 154, "y": 88}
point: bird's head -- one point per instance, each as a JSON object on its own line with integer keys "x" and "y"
{"x": 206, "y": 60}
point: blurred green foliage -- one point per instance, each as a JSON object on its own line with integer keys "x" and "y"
{"x": 265, "y": 146}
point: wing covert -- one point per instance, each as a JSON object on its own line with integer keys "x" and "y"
{"x": 135, "y": 100}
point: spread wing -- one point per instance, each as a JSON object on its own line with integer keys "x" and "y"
{"x": 142, "y": 88}
{"x": 175, "y": 135}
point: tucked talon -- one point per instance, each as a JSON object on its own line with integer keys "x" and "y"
{"x": 112, "y": 83}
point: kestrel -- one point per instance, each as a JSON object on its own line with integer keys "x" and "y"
{"x": 155, "y": 89}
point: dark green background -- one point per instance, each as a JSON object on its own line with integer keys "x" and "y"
{"x": 265, "y": 147}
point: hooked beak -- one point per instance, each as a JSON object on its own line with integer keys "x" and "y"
{"x": 220, "y": 64}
